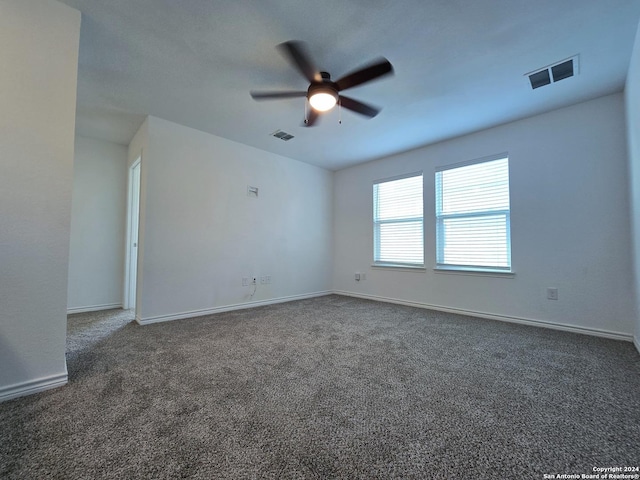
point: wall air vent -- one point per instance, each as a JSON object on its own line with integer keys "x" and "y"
{"x": 282, "y": 135}
{"x": 554, "y": 73}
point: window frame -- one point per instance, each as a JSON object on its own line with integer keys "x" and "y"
{"x": 440, "y": 266}
{"x": 376, "y": 223}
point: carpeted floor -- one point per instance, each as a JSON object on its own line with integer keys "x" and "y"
{"x": 331, "y": 387}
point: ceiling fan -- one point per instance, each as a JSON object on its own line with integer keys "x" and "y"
{"x": 323, "y": 93}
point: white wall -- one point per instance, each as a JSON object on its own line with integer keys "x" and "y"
{"x": 569, "y": 220}
{"x": 202, "y": 233}
{"x": 98, "y": 212}
{"x": 632, "y": 98}
{"x": 39, "y": 58}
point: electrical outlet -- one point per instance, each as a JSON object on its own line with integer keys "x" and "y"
{"x": 357, "y": 277}
{"x": 263, "y": 280}
{"x": 552, "y": 293}
{"x": 268, "y": 279}
{"x": 245, "y": 281}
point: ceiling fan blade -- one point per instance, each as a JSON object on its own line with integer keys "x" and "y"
{"x": 312, "y": 116}
{"x": 358, "y": 107}
{"x": 276, "y": 95}
{"x": 366, "y": 74}
{"x": 296, "y": 53}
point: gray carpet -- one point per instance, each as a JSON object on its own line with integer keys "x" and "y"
{"x": 331, "y": 387}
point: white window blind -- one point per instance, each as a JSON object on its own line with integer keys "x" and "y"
{"x": 398, "y": 222}
{"x": 473, "y": 216}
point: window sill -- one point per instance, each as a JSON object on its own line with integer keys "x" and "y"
{"x": 404, "y": 268}
{"x": 475, "y": 273}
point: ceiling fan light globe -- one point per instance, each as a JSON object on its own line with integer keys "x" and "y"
{"x": 322, "y": 101}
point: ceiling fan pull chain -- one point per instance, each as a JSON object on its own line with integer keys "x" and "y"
{"x": 306, "y": 111}
{"x": 339, "y": 111}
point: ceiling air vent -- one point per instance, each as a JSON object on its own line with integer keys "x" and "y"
{"x": 554, "y": 73}
{"x": 540, "y": 79}
{"x": 282, "y": 135}
{"x": 562, "y": 70}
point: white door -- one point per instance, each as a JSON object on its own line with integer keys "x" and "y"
{"x": 134, "y": 220}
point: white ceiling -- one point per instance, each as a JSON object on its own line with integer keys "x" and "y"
{"x": 459, "y": 65}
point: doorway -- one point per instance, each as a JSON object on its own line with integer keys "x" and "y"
{"x": 133, "y": 218}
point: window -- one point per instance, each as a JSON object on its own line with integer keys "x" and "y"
{"x": 473, "y": 216}
{"x": 397, "y": 222}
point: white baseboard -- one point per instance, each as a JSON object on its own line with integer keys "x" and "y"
{"x": 227, "y": 308}
{"x": 93, "y": 308}
{"x": 503, "y": 318}
{"x": 636, "y": 342}
{"x": 32, "y": 386}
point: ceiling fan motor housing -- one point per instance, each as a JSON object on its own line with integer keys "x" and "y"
{"x": 328, "y": 88}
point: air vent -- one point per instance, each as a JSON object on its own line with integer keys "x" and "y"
{"x": 540, "y": 79}
{"x": 562, "y": 70}
{"x": 554, "y": 73}
{"x": 282, "y": 135}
